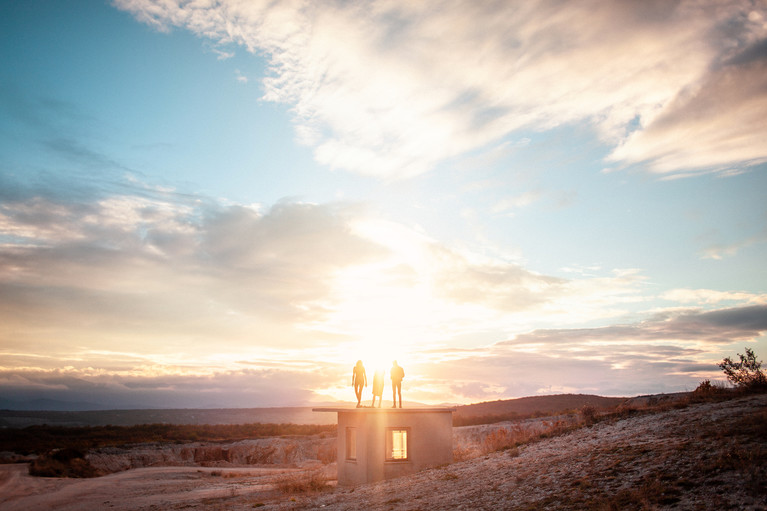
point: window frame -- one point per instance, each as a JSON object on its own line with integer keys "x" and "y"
{"x": 351, "y": 444}
{"x": 389, "y": 445}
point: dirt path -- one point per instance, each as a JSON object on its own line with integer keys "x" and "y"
{"x": 143, "y": 488}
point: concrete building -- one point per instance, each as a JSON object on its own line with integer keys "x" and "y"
{"x": 382, "y": 443}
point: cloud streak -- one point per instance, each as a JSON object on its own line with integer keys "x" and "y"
{"x": 392, "y": 89}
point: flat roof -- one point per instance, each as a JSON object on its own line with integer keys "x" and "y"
{"x": 366, "y": 409}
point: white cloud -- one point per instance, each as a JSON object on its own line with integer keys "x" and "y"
{"x": 393, "y": 88}
{"x": 520, "y": 201}
{"x": 721, "y": 251}
{"x": 712, "y": 296}
{"x": 240, "y": 77}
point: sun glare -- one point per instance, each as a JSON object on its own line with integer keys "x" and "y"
{"x": 377, "y": 353}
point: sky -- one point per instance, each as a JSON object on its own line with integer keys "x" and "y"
{"x": 228, "y": 203}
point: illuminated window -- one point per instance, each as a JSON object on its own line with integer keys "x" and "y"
{"x": 396, "y": 444}
{"x": 351, "y": 443}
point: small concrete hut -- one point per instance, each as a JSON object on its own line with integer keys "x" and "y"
{"x": 382, "y": 443}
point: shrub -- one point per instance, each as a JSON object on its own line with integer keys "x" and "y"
{"x": 498, "y": 440}
{"x": 303, "y": 482}
{"x": 705, "y": 388}
{"x": 747, "y": 373}
{"x": 462, "y": 453}
{"x": 589, "y": 415}
{"x": 62, "y": 463}
{"x": 327, "y": 453}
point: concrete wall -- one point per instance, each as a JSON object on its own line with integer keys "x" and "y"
{"x": 430, "y": 442}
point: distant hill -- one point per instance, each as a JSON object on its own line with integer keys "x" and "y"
{"x": 48, "y": 405}
{"x": 50, "y": 412}
{"x": 507, "y": 409}
{"x": 295, "y": 415}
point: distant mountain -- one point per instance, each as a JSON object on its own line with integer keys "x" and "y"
{"x": 534, "y": 405}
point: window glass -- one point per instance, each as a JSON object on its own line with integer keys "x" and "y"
{"x": 351, "y": 443}
{"x": 396, "y": 444}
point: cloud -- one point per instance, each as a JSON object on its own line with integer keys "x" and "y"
{"x": 393, "y": 88}
{"x": 169, "y": 277}
{"x": 224, "y": 389}
{"x": 711, "y": 296}
{"x": 717, "y": 124}
{"x": 504, "y": 371}
{"x": 197, "y": 287}
{"x": 511, "y": 203}
{"x": 152, "y": 294}
{"x": 722, "y": 326}
{"x": 667, "y": 352}
{"x": 720, "y": 251}
{"x": 240, "y": 77}
{"x": 502, "y": 286}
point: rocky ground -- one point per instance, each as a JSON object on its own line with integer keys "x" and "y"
{"x": 705, "y": 456}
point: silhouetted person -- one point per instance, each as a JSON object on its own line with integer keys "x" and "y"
{"x": 378, "y": 384}
{"x": 397, "y": 373}
{"x": 359, "y": 379}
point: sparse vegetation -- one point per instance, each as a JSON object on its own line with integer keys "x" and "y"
{"x": 492, "y": 412}
{"x": 310, "y": 481}
{"x": 62, "y": 463}
{"x": 746, "y": 374}
{"x": 708, "y": 391}
{"x": 42, "y": 439}
{"x": 589, "y": 415}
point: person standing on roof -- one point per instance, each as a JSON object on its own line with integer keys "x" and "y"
{"x": 397, "y": 374}
{"x": 378, "y": 385}
{"x": 359, "y": 379}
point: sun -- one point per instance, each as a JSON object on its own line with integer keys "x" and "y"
{"x": 377, "y": 353}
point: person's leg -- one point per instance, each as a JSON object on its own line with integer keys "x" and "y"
{"x": 399, "y": 393}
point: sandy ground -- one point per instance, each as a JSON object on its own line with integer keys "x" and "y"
{"x": 141, "y": 488}
{"x": 679, "y": 459}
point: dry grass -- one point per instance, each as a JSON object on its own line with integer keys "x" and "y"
{"x": 310, "y": 481}
{"x": 508, "y": 438}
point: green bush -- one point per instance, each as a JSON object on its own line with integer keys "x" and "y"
{"x": 746, "y": 374}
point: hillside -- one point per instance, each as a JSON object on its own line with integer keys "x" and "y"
{"x": 506, "y": 409}
{"x": 708, "y": 456}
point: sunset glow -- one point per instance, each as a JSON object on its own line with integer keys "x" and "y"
{"x": 227, "y": 204}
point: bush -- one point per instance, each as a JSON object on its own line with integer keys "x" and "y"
{"x": 304, "y": 482}
{"x": 705, "y": 388}
{"x": 589, "y": 415}
{"x": 62, "y": 463}
{"x": 746, "y": 374}
{"x": 327, "y": 453}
